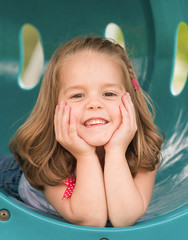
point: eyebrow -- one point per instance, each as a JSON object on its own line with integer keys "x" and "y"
{"x": 74, "y": 87}
{"x": 106, "y": 85}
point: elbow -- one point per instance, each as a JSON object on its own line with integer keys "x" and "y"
{"x": 90, "y": 218}
{"x": 120, "y": 224}
{"x": 100, "y": 222}
{"x": 97, "y": 219}
{"x": 127, "y": 219}
{"x": 94, "y": 222}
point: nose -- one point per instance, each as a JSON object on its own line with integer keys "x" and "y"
{"x": 95, "y": 107}
{"x": 94, "y": 104}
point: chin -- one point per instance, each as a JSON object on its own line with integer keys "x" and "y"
{"x": 97, "y": 139}
{"x": 97, "y": 142}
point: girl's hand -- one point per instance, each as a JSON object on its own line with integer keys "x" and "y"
{"x": 66, "y": 133}
{"x": 122, "y": 137}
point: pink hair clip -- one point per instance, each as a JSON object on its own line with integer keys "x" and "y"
{"x": 135, "y": 84}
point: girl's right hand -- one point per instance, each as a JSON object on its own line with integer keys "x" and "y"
{"x": 66, "y": 133}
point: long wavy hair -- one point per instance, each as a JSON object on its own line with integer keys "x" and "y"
{"x": 42, "y": 158}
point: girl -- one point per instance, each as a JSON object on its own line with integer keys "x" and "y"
{"x": 90, "y": 145}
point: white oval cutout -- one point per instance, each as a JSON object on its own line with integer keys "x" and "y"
{"x": 113, "y": 31}
{"x": 31, "y": 57}
{"x": 180, "y": 72}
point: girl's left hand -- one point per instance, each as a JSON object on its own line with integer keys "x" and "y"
{"x": 122, "y": 137}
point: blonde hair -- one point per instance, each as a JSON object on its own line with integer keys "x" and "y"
{"x": 42, "y": 158}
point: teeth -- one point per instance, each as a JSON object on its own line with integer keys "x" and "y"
{"x": 94, "y": 122}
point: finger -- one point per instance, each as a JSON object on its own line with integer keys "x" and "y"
{"x": 134, "y": 122}
{"x": 58, "y": 119}
{"x": 124, "y": 114}
{"x": 130, "y": 109}
{"x": 65, "y": 122}
{"x": 130, "y": 103}
{"x": 126, "y": 103}
{"x": 72, "y": 126}
{"x": 55, "y": 119}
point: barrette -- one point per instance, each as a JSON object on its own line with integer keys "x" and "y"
{"x": 135, "y": 84}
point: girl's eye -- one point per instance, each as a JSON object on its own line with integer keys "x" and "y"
{"x": 79, "y": 95}
{"x": 109, "y": 94}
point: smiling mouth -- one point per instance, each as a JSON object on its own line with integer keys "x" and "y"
{"x": 95, "y": 122}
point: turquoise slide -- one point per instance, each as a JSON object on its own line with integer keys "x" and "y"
{"x": 155, "y": 33}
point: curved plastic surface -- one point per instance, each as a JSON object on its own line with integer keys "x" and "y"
{"x": 148, "y": 26}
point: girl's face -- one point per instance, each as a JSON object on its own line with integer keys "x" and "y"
{"x": 92, "y": 85}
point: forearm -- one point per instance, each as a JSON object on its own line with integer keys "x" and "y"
{"x": 87, "y": 204}
{"x": 88, "y": 201}
{"x": 125, "y": 203}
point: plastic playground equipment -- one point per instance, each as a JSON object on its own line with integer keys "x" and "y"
{"x": 156, "y": 33}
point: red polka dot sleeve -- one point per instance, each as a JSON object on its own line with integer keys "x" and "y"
{"x": 70, "y": 182}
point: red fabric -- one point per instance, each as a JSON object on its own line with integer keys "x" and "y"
{"x": 70, "y": 182}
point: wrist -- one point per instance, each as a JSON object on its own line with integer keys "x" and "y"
{"x": 114, "y": 155}
{"x": 116, "y": 150}
{"x": 85, "y": 156}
